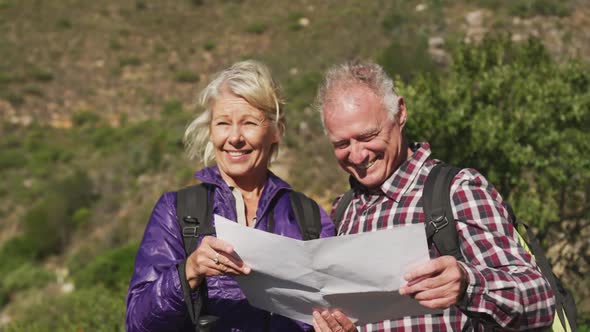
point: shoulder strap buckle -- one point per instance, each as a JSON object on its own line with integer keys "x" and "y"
{"x": 438, "y": 220}
{"x": 190, "y": 231}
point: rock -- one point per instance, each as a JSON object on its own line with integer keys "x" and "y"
{"x": 67, "y": 288}
{"x": 516, "y": 20}
{"x": 475, "y": 25}
{"x": 421, "y": 7}
{"x": 517, "y": 37}
{"x": 28, "y": 183}
{"x": 475, "y": 18}
{"x": 304, "y": 22}
{"x": 4, "y": 319}
{"x": 439, "y": 56}
{"x": 436, "y": 42}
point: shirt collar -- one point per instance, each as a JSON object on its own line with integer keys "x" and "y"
{"x": 398, "y": 183}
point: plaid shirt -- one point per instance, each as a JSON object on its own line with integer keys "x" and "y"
{"x": 505, "y": 288}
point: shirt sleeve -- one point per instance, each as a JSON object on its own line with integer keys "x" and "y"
{"x": 155, "y": 300}
{"x": 505, "y": 287}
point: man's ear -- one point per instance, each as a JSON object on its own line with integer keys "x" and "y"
{"x": 402, "y": 115}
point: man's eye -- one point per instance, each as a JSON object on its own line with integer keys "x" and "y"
{"x": 340, "y": 145}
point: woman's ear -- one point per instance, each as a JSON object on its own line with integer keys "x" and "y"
{"x": 275, "y": 135}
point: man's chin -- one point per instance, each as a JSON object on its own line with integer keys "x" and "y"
{"x": 368, "y": 181}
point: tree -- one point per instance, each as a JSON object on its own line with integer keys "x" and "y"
{"x": 519, "y": 117}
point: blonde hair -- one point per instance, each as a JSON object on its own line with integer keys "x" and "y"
{"x": 367, "y": 74}
{"x": 248, "y": 79}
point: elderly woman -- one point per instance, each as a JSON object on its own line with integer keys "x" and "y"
{"x": 240, "y": 129}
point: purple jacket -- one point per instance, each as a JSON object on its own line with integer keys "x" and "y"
{"x": 155, "y": 301}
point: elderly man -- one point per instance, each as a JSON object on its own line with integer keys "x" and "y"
{"x": 497, "y": 284}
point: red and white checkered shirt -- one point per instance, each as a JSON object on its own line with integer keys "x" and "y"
{"x": 505, "y": 288}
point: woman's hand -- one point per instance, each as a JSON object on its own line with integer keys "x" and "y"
{"x": 334, "y": 321}
{"x": 213, "y": 257}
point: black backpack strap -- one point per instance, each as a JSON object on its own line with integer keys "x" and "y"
{"x": 341, "y": 208}
{"x": 194, "y": 213}
{"x": 307, "y": 214}
{"x": 441, "y": 228}
{"x": 194, "y": 210}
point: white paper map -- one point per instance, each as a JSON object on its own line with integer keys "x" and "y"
{"x": 359, "y": 274}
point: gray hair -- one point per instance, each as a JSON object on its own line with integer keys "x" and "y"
{"x": 367, "y": 74}
{"x": 248, "y": 79}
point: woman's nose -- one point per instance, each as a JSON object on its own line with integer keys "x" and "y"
{"x": 235, "y": 135}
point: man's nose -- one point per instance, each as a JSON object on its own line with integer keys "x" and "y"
{"x": 357, "y": 153}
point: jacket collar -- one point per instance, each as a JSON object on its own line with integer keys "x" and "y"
{"x": 272, "y": 187}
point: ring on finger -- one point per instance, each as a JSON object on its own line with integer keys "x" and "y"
{"x": 216, "y": 258}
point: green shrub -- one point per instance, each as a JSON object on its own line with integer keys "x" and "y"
{"x": 257, "y": 28}
{"x": 91, "y": 309}
{"x": 407, "y": 57}
{"x": 25, "y": 276}
{"x": 511, "y": 112}
{"x": 172, "y": 106}
{"x": 14, "y": 252}
{"x": 105, "y": 137}
{"x": 6, "y": 78}
{"x": 5, "y": 4}
{"x": 85, "y": 117}
{"x": 527, "y": 8}
{"x": 293, "y": 20}
{"x": 14, "y": 98}
{"x": 33, "y": 90}
{"x": 46, "y": 225}
{"x": 45, "y": 156}
{"x": 64, "y": 23}
{"x": 49, "y": 224}
{"x": 114, "y": 44}
{"x": 209, "y": 45}
{"x": 186, "y": 76}
{"x": 140, "y": 5}
{"x": 40, "y": 74}
{"x": 11, "y": 159}
{"x": 111, "y": 269}
{"x": 129, "y": 61}
{"x": 81, "y": 216}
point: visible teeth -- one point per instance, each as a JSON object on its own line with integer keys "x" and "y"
{"x": 365, "y": 166}
{"x": 236, "y": 153}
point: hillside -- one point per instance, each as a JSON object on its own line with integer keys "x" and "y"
{"x": 95, "y": 96}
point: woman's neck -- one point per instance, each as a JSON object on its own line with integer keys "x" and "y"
{"x": 250, "y": 186}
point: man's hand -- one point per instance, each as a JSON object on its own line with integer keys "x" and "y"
{"x": 437, "y": 284}
{"x": 334, "y": 321}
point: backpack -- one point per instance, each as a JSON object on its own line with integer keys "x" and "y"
{"x": 441, "y": 231}
{"x": 194, "y": 209}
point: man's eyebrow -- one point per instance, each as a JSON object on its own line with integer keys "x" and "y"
{"x": 369, "y": 132}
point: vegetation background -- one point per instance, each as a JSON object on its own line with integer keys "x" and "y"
{"x": 95, "y": 96}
